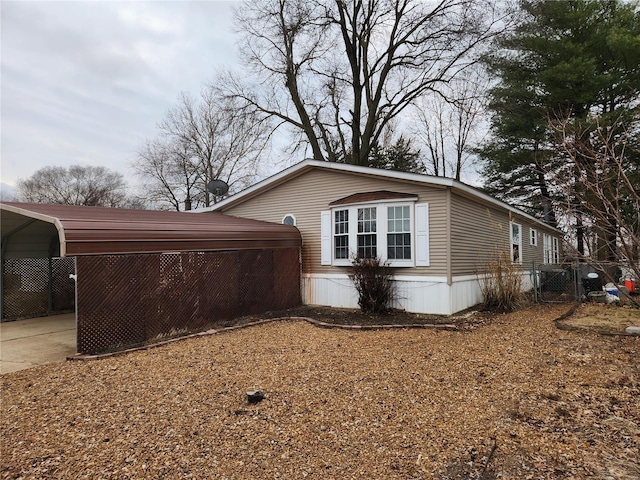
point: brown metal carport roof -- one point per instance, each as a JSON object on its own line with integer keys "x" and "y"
{"x": 68, "y": 230}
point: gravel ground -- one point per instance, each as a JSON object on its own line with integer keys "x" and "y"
{"x": 512, "y": 398}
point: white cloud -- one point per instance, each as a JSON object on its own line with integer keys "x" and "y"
{"x": 86, "y": 82}
{"x": 142, "y": 16}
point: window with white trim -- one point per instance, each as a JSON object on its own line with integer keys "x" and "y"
{"x": 551, "y": 249}
{"x": 367, "y": 232}
{"x": 341, "y": 234}
{"x": 399, "y": 232}
{"x": 516, "y": 243}
{"x": 547, "y": 248}
{"x": 533, "y": 237}
{"x": 394, "y": 231}
{"x": 289, "y": 219}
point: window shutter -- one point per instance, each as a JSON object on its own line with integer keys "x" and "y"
{"x": 325, "y": 237}
{"x": 422, "y": 235}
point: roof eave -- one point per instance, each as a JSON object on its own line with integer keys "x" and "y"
{"x": 299, "y": 168}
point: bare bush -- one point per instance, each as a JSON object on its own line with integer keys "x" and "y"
{"x": 373, "y": 280}
{"x": 501, "y": 284}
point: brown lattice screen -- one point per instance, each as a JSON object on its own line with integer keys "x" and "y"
{"x": 34, "y": 287}
{"x": 127, "y": 300}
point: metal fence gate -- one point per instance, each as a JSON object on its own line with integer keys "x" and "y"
{"x": 554, "y": 283}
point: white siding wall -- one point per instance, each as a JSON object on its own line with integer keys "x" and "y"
{"x": 415, "y": 294}
{"x": 429, "y": 295}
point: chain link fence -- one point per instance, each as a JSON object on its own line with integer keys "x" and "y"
{"x": 574, "y": 281}
{"x": 34, "y": 287}
{"x": 555, "y": 283}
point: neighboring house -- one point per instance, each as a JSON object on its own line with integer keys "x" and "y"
{"x": 438, "y": 232}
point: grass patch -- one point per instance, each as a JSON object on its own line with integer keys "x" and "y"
{"x": 603, "y": 318}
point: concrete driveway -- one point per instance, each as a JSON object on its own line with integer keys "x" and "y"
{"x": 36, "y": 341}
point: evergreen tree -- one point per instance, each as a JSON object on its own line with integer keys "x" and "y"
{"x": 399, "y": 156}
{"x": 577, "y": 60}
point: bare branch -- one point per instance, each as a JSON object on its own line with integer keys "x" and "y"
{"x": 339, "y": 71}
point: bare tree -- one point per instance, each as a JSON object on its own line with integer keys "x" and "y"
{"x": 449, "y": 125}
{"x": 76, "y": 185}
{"x": 337, "y": 72}
{"x": 599, "y": 183}
{"x": 7, "y": 193}
{"x": 201, "y": 139}
{"x": 170, "y": 175}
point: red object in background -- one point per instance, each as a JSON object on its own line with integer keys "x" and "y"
{"x": 631, "y": 285}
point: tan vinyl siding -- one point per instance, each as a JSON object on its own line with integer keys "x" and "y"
{"x": 306, "y": 195}
{"x": 478, "y": 232}
{"x": 531, "y": 253}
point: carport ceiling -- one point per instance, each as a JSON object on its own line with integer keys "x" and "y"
{"x": 37, "y": 230}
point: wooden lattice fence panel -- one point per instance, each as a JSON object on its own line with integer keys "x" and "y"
{"x": 127, "y": 300}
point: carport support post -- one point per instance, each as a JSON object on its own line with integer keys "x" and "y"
{"x": 2, "y": 284}
{"x": 50, "y": 280}
{"x": 50, "y": 287}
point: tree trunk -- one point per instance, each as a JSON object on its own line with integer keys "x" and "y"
{"x": 579, "y": 233}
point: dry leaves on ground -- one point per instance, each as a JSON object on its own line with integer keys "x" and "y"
{"x": 515, "y": 398}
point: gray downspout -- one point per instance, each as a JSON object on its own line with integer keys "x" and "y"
{"x": 535, "y": 282}
{"x": 449, "y": 259}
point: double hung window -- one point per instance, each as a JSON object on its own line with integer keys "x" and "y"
{"x": 341, "y": 234}
{"x": 367, "y": 236}
{"x": 393, "y": 230}
{"x": 551, "y": 249}
{"x": 399, "y": 233}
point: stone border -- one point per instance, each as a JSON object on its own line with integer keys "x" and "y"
{"x": 317, "y": 323}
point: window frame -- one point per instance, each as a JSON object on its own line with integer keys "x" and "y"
{"x": 367, "y": 231}
{"x": 550, "y": 249}
{"x": 381, "y": 209}
{"x": 533, "y": 237}
{"x": 403, "y": 232}
{"x": 555, "y": 250}
{"x": 512, "y": 243}
{"x": 289, "y": 215}
{"x": 347, "y": 234}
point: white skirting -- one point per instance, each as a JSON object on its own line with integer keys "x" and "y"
{"x": 415, "y": 294}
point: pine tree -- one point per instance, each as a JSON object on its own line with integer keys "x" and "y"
{"x": 576, "y": 60}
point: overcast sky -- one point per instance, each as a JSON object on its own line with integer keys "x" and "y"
{"x": 86, "y": 82}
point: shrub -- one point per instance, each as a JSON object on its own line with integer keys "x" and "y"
{"x": 373, "y": 280}
{"x": 501, "y": 284}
